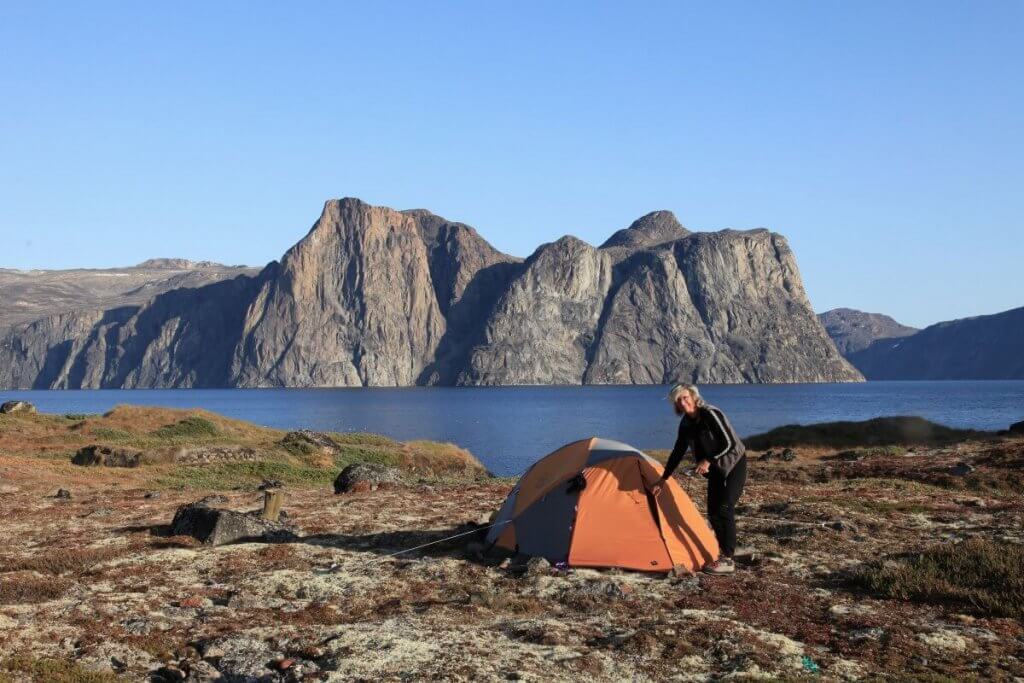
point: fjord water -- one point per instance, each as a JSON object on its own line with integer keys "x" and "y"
{"x": 508, "y": 428}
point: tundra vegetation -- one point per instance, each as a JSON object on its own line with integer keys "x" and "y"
{"x": 874, "y": 558}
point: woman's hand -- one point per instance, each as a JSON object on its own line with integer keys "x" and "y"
{"x": 703, "y": 467}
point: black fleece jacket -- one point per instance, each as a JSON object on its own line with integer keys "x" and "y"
{"x": 707, "y": 435}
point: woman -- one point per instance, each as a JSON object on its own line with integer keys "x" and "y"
{"x": 720, "y": 457}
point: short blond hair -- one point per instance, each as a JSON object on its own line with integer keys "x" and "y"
{"x": 677, "y": 389}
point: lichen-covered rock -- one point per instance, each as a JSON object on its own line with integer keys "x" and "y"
{"x": 105, "y": 456}
{"x": 215, "y": 526}
{"x": 366, "y": 476}
{"x": 201, "y": 455}
{"x": 17, "y": 407}
{"x": 306, "y": 441}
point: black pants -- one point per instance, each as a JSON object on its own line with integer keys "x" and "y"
{"x": 723, "y": 492}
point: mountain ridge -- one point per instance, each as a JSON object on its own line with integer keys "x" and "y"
{"x": 372, "y": 296}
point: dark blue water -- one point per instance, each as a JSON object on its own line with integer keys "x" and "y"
{"x": 510, "y": 427}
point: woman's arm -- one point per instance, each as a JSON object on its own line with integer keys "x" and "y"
{"x": 724, "y": 435}
{"x": 678, "y": 451}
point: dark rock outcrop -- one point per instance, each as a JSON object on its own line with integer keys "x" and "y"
{"x": 377, "y": 297}
{"x": 983, "y": 347}
{"x": 853, "y": 331}
{"x": 105, "y": 456}
{"x": 366, "y": 476}
{"x": 1017, "y": 427}
{"x": 17, "y": 407}
{"x": 215, "y": 526}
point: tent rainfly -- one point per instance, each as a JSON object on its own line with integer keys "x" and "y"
{"x": 586, "y": 505}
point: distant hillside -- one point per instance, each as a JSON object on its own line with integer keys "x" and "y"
{"x": 983, "y": 347}
{"x": 32, "y": 294}
{"x": 853, "y": 330}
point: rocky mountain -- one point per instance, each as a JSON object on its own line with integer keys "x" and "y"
{"x": 853, "y": 330}
{"x": 32, "y": 294}
{"x": 982, "y": 347}
{"x": 377, "y": 297}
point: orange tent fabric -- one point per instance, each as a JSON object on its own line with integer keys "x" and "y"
{"x": 586, "y": 505}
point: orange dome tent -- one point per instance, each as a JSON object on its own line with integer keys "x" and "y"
{"x": 586, "y": 505}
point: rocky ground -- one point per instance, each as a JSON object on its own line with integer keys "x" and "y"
{"x": 94, "y": 588}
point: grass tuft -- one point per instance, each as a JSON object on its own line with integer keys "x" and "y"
{"x": 27, "y": 588}
{"x": 192, "y": 427}
{"x": 978, "y": 574}
{"x": 76, "y": 561}
{"x": 26, "y": 667}
{"x": 245, "y": 475}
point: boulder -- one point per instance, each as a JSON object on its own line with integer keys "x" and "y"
{"x": 17, "y": 407}
{"x": 216, "y": 526}
{"x": 307, "y": 441}
{"x": 961, "y": 469}
{"x": 788, "y": 455}
{"x": 105, "y": 456}
{"x": 366, "y": 476}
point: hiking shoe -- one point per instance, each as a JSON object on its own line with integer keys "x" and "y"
{"x": 723, "y": 565}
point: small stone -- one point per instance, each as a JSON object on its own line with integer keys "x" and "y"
{"x": 150, "y": 495}
{"x": 168, "y": 674}
{"x": 961, "y": 469}
{"x": 768, "y": 455}
{"x": 842, "y": 525}
{"x": 63, "y": 494}
{"x": 270, "y": 484}
{"x": 212, "y": 652}
{"x": 202, "y": 672}
{"x": 788, "y": 455}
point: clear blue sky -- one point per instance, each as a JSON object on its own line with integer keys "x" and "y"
{"x": 885, "y": 140}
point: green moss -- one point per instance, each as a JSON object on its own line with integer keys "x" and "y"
{"x": 192, "y": 427}
{"x": 350, "y": 454}
{"x": 107, "y": 434}
{"x": 980, "y": 575}
{"x": 242, "y": 475}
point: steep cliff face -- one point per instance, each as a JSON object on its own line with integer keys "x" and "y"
{"x": 377, "y": 297}
{"x": 181, "y": 338}
{"x": 353, "y": 304}
{"x": 853, "y": 331}
{"x": 647, "y": 308}
{"x": 542, "y": 328}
